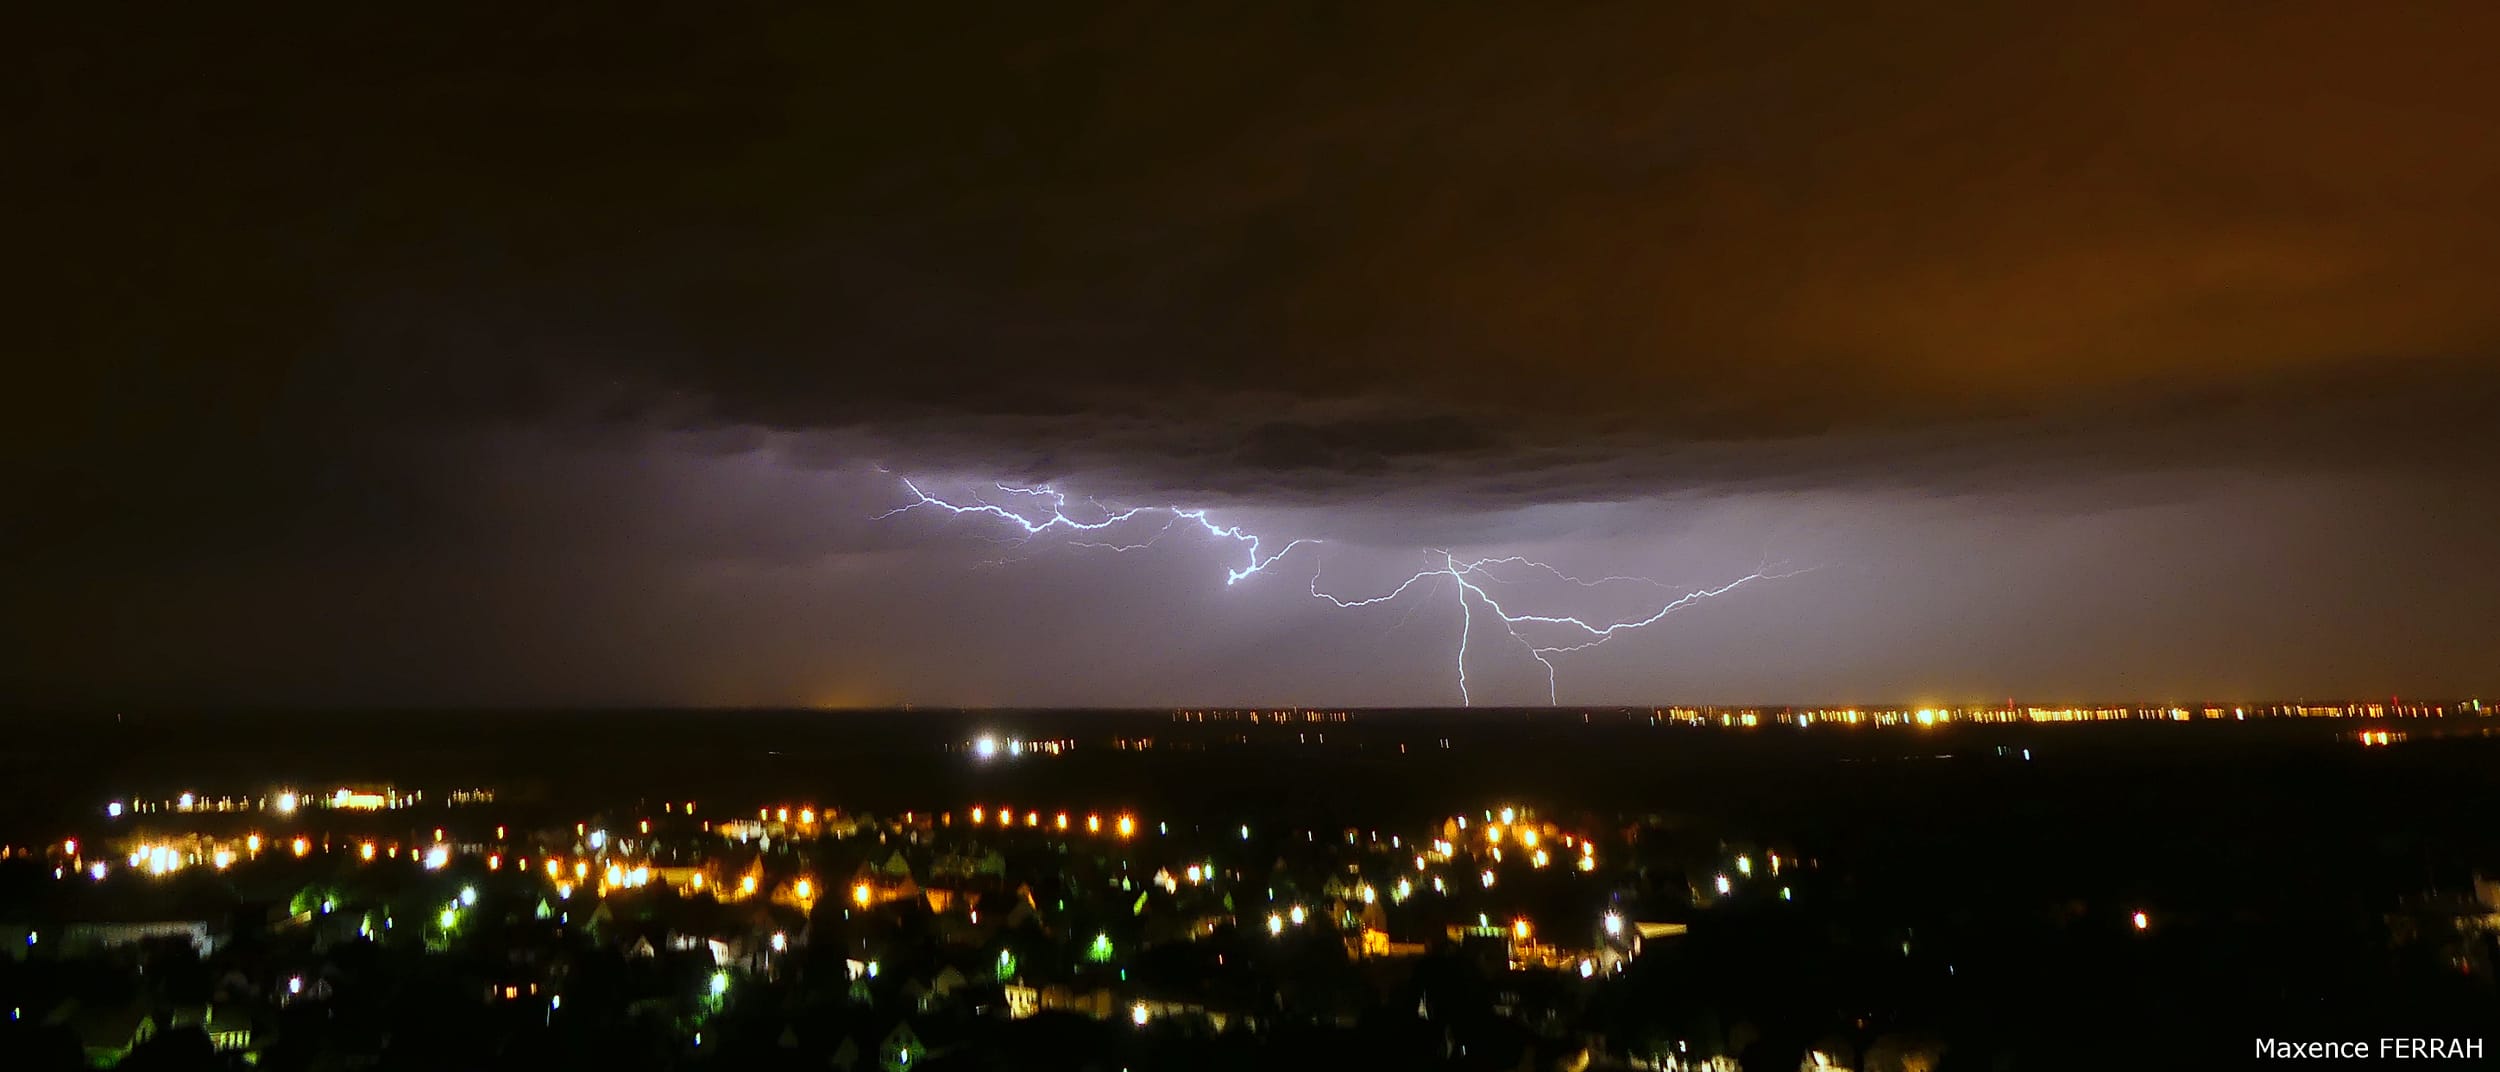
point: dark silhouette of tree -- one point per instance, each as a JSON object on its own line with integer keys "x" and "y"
{"x": 178, "y": 1049}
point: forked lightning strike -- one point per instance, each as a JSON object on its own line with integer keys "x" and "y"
{"x": 1558, "y": 634}
{"x": 1059, "y": 519}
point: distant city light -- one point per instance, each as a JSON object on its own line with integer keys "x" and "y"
{"x": 1275, "y": 923}
{"x": 985, "y": 747}
{"x": 113, "y": 810}
{"x": 286, "y": 803}
{"x": 468, "y": 895}
{"x": 2142, "y": 921}
{"x": 720, "y": 983}
{"x": 1724, "y": 885}
{"x": 1614, "y": 924}
{"x": 781, "y": 941}
{"x": 96, "y": 870}
{"x": 1137, "y": 1014}
{"x": 1297, "y": 915}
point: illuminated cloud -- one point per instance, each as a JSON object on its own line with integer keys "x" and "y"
{"x": 483, "y": 361}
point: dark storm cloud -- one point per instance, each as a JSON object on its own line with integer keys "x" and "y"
{"x": 494, "y": 310}
{"x": 1276, "y": 249}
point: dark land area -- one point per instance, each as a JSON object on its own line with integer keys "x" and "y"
{"x": 1961, "y": 895}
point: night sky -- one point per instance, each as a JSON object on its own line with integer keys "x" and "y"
{"x": 559, "y": 354}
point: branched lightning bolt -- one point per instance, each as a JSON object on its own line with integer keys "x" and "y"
{"x": 1581, "y": 633}
{"x": 1563, "y": 633}
{"x": 1059, "y": 519}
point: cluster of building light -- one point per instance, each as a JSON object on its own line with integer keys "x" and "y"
{"x": 166, "y": 857}
{"x": 158, "y": 859}
{"x": 990, "y": 746}
{"x": 1515, "y": 827}
{"x": 280, "y": 802}
{"x": 1530, "y": 841}
{"x": 1933, "y": 716}
{"x": 1008, "y": 818}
